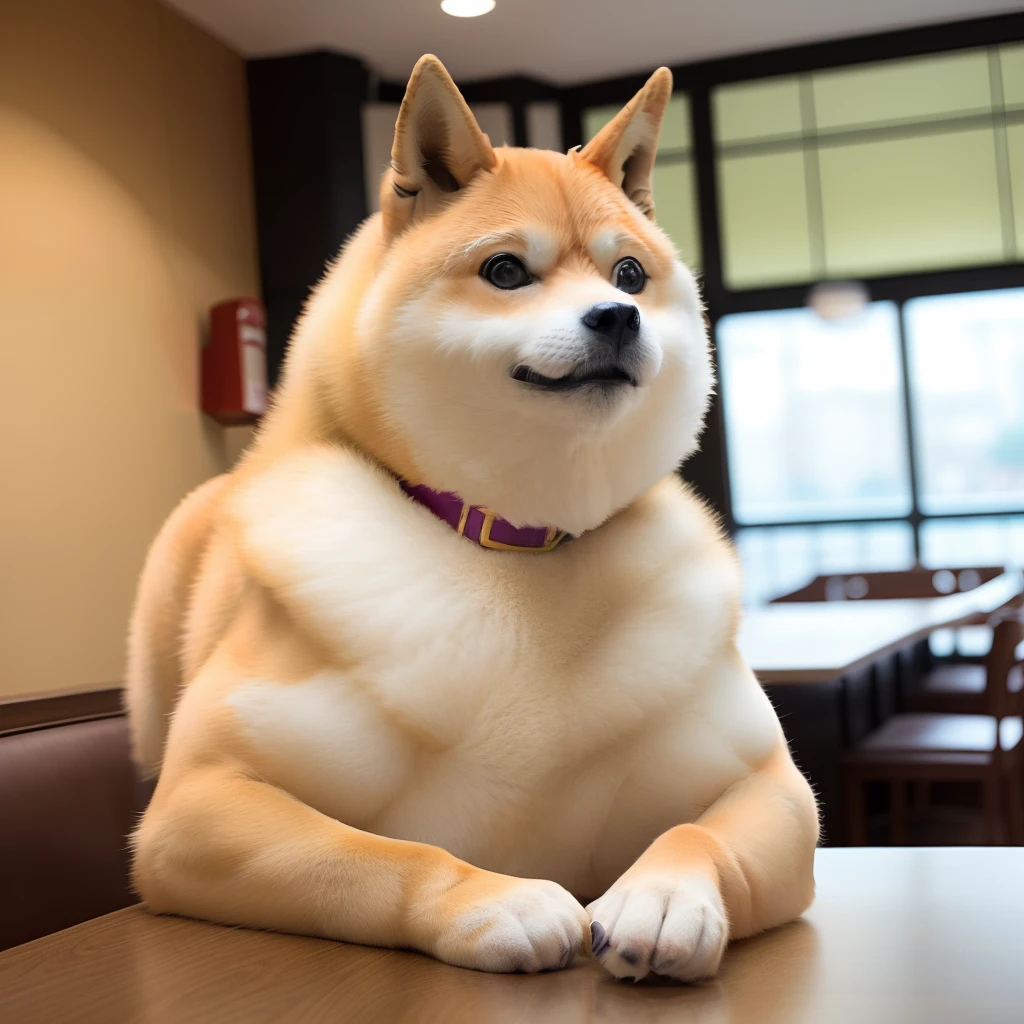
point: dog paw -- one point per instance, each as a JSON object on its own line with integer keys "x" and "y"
{"x": 503, "y": 924}
{"x": 675, "y": 927}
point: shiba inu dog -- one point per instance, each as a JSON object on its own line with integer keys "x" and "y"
{"x": 452, "y": 652}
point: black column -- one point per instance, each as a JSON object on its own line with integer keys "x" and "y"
{"x": 306, "y": 120}
{"x": 706, "y": 469}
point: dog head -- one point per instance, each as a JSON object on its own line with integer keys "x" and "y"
{"x": 522, "y": 333}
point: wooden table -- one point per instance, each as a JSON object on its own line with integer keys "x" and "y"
{"x": 896, "y": 936}
{"x": 817, "y": 641}
{"x": 834, "y": 670}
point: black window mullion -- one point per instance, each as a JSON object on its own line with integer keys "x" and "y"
{"x": 703, "y": 149}
{"x": 869, "y": 520}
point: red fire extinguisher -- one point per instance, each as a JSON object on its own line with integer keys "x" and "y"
{"x": 234, "y": 363}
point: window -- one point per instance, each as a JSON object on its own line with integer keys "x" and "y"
{"x": 895, "y": 437}
{"x": 814, "y": 417}
{"x": 973, "y": 540}
{"x": 967, "y": 388}
{"x": 890, "y": 167}
{"x": 675, "y": 187}
{"x": 766, "y": 232}
{"x": 917, "y": 203}
{"x": 1012, "y": 66}
{"x": 777, "y": 559}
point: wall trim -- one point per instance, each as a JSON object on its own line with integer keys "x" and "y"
{"x": 43, "y": 710}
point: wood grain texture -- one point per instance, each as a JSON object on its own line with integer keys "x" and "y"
{"x": 896, "y": 936}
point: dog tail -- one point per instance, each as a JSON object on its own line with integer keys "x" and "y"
{"x": 153, "y": 679}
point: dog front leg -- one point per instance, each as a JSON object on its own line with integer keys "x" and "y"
{"x": 745, "y": 865}
{"x": 222, "y": 845}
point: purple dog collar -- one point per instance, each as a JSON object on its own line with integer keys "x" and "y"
{"x": 482, "y": 525}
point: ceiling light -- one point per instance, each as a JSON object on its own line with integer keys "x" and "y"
{"x": 466, "y": 8}
{"x": 838, "y": 300}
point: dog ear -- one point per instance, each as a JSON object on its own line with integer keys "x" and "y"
{"x": 438, "y": 147}
{"x": 625, "y": 148}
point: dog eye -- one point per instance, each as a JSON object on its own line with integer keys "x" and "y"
{"x": 506, "y": 271}
{"x": 629, "y": 276}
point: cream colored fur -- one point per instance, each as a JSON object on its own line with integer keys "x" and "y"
{"x": 382, "y": 732}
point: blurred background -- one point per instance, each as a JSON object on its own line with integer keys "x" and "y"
{"x": 158, "y": 159}
{"x": 847, "y": 180}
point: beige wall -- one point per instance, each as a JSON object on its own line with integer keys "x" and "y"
{"x": 125, "y": 212}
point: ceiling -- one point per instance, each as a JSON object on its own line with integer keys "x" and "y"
{"x": 561, "y": 41}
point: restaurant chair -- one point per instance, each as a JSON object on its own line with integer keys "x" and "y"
{"x": 957, "y": 688}
{"x": 927, "y": 747}
{"x": 953, "y": 685}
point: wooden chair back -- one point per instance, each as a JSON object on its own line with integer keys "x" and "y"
{"x": 1004, "y": 695}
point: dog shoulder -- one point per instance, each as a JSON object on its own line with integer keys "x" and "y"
{"x": 332, "y": 536}
{"x": 305, "y": 499}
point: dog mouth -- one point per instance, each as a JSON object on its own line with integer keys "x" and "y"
{"x": 603, "y": 377}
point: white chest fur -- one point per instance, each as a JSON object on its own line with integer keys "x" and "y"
{"x": 481, "y": 700}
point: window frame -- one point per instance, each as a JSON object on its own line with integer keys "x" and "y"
{"x": 708, "y": 470}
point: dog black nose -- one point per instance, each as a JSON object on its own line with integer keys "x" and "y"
{"x": 617, "y": 321}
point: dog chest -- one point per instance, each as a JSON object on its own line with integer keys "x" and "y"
{"x": 477, "y": 698}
